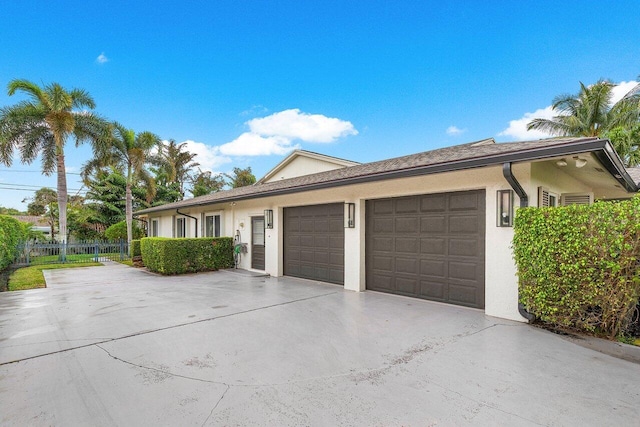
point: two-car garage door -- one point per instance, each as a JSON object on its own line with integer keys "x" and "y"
{"x": 429, "y": 246}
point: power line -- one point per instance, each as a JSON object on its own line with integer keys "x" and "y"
{"x": 38, "y": 188}
{"x": 30, "y": 171}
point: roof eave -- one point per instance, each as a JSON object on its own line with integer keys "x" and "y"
{"x": 601, "y": 148}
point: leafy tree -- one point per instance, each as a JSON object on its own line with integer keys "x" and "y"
{"x": 166, "y": 193}
{"x": 106, "y": 201}
{"x": 626, "y": 143}
{"x": 241, "y": 177}
{"x": 127, "y": 152}
{"x": 45, "y": 203}
{"x": 590, "y": 113}
{"x": 174, "y": 164}
{"x": 42, "y": 124}
{"x": 10, "y": 211}
{"x": 120, "y": 230}
{"x": 204, "y": 182}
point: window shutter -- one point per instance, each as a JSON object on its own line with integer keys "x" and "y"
{"x": 543, "y": 197}
{"x": 576, "y": 199}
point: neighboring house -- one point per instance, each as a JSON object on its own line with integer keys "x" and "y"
{"x": 38, "y": 223}
{"x": 434, "y": 225}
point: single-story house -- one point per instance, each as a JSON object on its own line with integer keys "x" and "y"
{"x": 436, "y": 225}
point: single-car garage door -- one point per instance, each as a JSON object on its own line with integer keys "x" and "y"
{"x": 314, "y": 242}
{"x": 429, "y": 246}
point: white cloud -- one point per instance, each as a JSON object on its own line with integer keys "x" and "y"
{"x": 518, "y": 128}
{"x": 102, "y": 58}
{"x": 252, "y": 144}
{"x": 621, "y": 90}
{"x": 276, "y": 133}
{"x": 293, "y": 124}
{"x": 455, "y": 131}
{"x": 208, "y": 156}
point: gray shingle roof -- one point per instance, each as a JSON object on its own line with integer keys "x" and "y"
{"x": 475, "y": 154}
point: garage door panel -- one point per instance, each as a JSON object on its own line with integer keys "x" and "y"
{"x": 463, "y": 295}
{"x": 406, "y": 286}
{"x": 382, "y": 243}
{"x": 465, "y": 202}
{"x": 433, "y": 290}
{"x": 382, "y": 206}
{"x": 321, "y": 226}
{"x": 435, "y": 252}
{"x": 383, "y": 225}
{"x": 407, "y": 245}
{"x": 433, "y": 224}
{"x": 407, "y": 266}
{"x": 407, "y": 205}
{"x": 433, "y": 246}
{"x": 464, "y": 224}
{"x": 337, "y": 243}
{"x": 433, "y": 203}
{"x": 464, "y": 247}
{"x": 314, "y": 242}
{"x": 406, "y": 225}
{"x": 463, "y": 270}
{"x": 433, "y": 268}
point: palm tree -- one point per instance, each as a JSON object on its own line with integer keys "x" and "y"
{"x": 174, "y": 164}
{"x": 127, "y": 152}
{"x": 590, "y": 113}
{"x": 42, "y": 124}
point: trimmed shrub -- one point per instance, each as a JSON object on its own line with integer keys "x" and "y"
{"x": 12, "y": 232}
{"x": 118, "y": 231}
{"x": 135, "y": 248}
{"x": 578, "y": 265}
{"x": 176, "y": 256}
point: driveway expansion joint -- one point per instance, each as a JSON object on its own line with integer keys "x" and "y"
{"x": 179, "y": 325}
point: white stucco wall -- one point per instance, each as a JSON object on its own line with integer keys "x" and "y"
{"x": 501, "y": 290}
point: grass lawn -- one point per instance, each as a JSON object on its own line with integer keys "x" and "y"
{"x": 32, "y": 277}
{"x": 128, "y": 262}
{"x": 72, "y": 258}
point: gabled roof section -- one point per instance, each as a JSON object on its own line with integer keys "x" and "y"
{"x": 459, "y": 157}
{"x": 634, "y": 173}
{"x": 331, "y": 163}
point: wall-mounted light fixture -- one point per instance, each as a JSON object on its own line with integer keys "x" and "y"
{"x": 561, "y": 163}
{"x": 268, "y": 218}
{"x": 349, "y": 215}
{"x": 505, "y": 208}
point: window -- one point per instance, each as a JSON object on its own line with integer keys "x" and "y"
{"x": 212, "y": 226}
{"x": 546, "y": 198}
{"x": 155, "y": 228}
{"x": 181, "y": 227}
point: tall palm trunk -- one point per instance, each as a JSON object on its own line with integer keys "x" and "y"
{"x": 129, "y": 213}
{"x": 62, "y": 195}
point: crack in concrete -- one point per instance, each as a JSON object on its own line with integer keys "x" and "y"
{"x": 179, "y": 325}
{"x": 100, "y": 339}
{"x": 160, "y": 370}
{"x": 216, "y": 406}
{"x": 485, "y": 404}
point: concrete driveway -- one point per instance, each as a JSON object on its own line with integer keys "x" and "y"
{"x": 118, "y": 346}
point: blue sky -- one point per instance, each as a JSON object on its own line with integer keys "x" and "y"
{"x": 247, "y": 81}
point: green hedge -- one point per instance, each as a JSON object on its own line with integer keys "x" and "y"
{"x": 578, "y": 266}
{"x": 135, "y": 248}
{"x": 176, "y": 256}
{"x": 118, "y": 231}
{"x": 12, "y": 232}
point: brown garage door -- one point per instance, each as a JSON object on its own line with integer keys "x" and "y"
{"x": 429, "y": 246}
{"x": 314, "y": 242}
